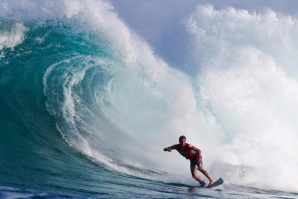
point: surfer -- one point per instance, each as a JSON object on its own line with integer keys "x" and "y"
{"x": 194, "y": 155}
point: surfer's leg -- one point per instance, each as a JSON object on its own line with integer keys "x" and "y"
{"x": 200, "y": 168}
{"x": 196, "y": 177}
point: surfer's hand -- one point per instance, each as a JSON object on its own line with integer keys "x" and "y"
{"x": 167, "y": 149}
{"x": 200, "y": 161}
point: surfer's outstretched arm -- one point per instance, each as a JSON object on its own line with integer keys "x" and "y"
{"x": 169, "y": 149}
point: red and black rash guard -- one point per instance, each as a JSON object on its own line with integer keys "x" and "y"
{"x": 186, "y": 151}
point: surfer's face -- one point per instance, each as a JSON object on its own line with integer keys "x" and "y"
{"x": 182, "y": 142}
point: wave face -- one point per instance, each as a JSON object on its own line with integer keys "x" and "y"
{"x": 83, "y": 97}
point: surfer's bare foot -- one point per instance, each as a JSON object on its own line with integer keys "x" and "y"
{"x": 210, "y": 183}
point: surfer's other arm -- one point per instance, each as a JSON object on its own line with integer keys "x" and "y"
{"x": 198, "y": 151}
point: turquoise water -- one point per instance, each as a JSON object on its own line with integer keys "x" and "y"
{"x": 87, "y": 106}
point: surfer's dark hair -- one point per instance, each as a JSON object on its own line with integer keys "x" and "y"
{"x": 182, "y": 137}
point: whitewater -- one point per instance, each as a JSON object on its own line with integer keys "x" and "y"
{"x": 87, "y": 105}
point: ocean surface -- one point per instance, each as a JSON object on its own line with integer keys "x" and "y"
{"x": 87, "y": 106}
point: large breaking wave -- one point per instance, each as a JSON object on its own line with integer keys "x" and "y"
{"x": 76, "y": 69}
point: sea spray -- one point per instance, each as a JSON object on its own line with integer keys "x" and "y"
{"x": 248, "y": 80}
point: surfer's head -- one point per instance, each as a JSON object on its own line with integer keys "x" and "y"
{"x": 182, "y": 140}
{"x": 182, "y": 137}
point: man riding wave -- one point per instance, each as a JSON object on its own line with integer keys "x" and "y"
{"x": 194, "y": 155}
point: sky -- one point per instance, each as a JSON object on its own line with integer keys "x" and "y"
{"x": 159, "y": 21}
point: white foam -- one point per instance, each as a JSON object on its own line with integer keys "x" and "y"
{"x": 249, "y": 82}
{"x": 9, "y": 39}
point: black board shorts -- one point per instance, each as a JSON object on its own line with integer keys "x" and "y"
{"x": 195, "y": 162}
